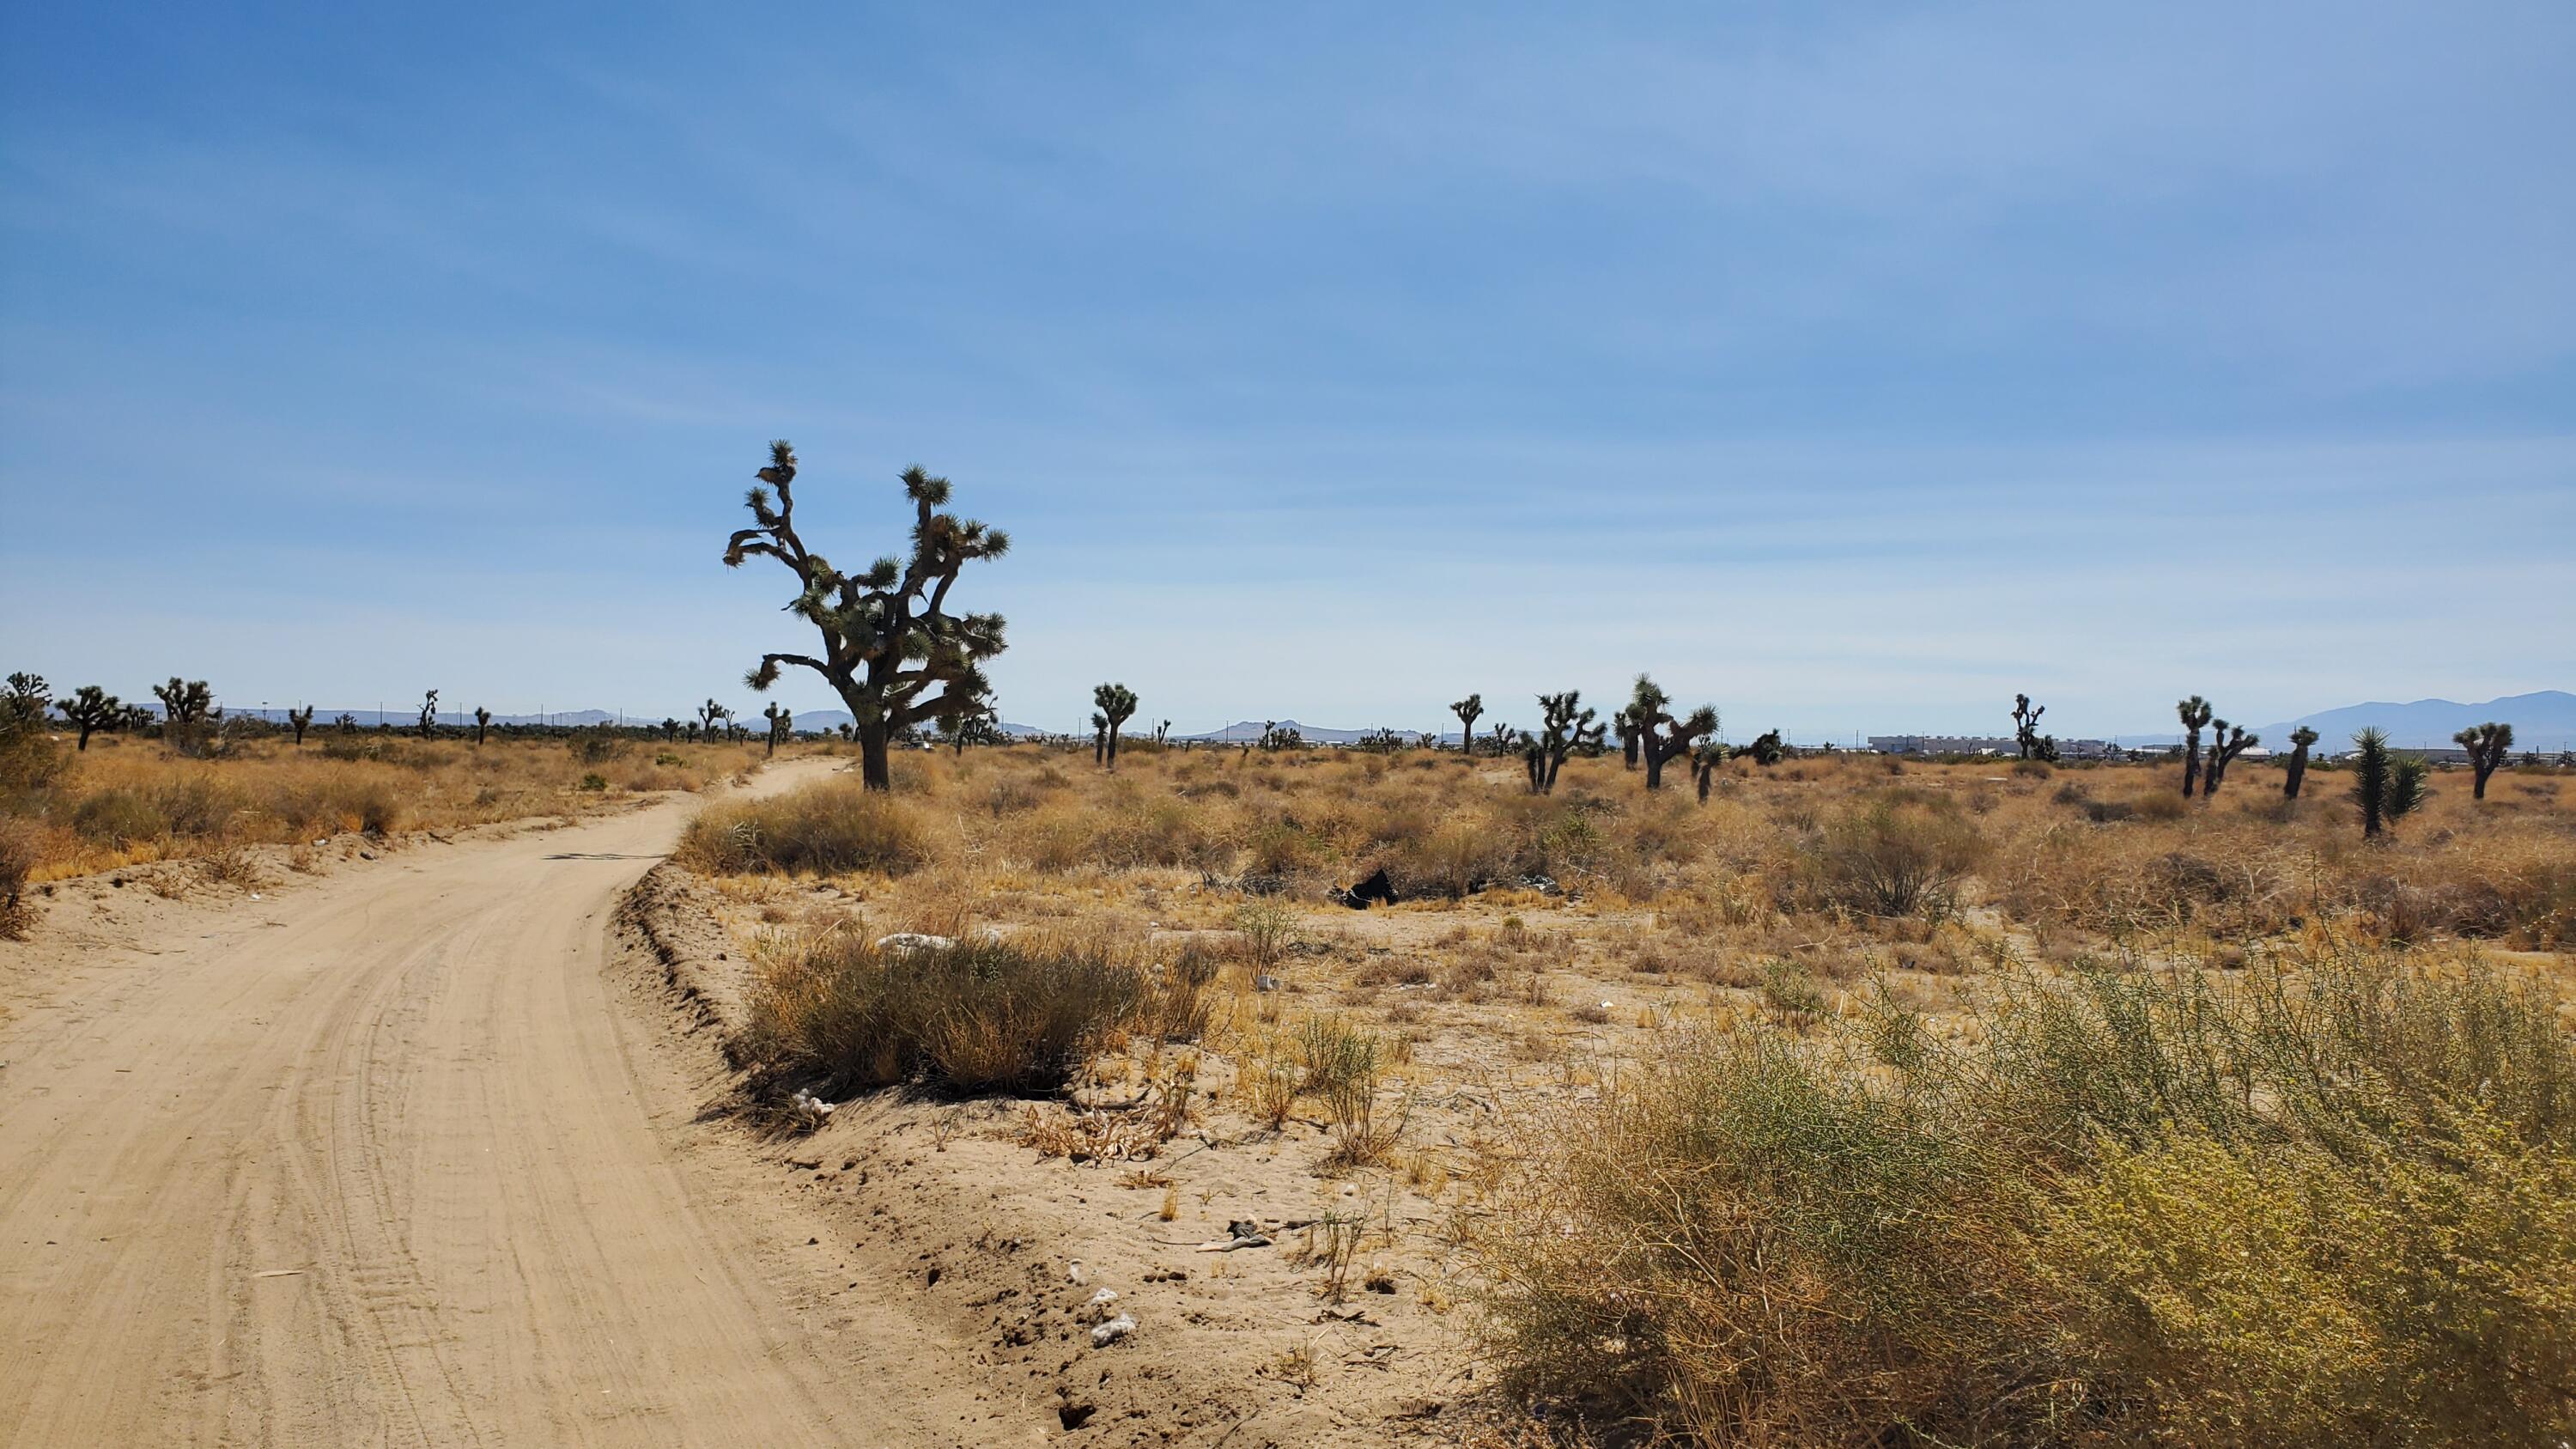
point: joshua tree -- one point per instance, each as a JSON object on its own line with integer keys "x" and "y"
{"x": 429, "y": 714}
{"x": 2385, "y": 785}
{"x": 2026, "y": 725}
{"x": 1099, "y": 738}
{"x": 1501, "y": 737}
{"x": 1657, "y": 734}
{"x": 1766, "y": 749}
{"x": 709, "y": 714}
{"x": 1704, "y": 763}
{"x": 24, "y": 703}
{"x": 1276, "y": 736}
{"x": 1117, "y": 704}
{"x": 300, "y": 720}
{"x": 2226, "y": 742}
{"x": 2194, "y": 713}
{"x": 91, "y": 709}
{"x": 345, "y": 723}
{"x": 670, "y": 729}
{"x": 891, "y": 649}
{"x": 482, "y": 723}
{"x": 184, "y": 705}
{"x": 1468, "y": 710}
{"x": 1565, "y": 726}
{"x": 968, "y": 719}
{"x": 1628, "y": 727}
{"x": 778, "y": 719}
{"x": 2486, "y": 745}
{"x": 2300, "y": 739}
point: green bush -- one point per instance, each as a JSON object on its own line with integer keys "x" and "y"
{"x": 2327, "y": 1206}
{"x": 979, "y": 1016}
{"x": 828, "y": 828}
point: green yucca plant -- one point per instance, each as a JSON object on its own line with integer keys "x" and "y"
{"x": 2386, "y": 785}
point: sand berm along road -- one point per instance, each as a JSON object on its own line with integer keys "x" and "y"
{"x": 375, "y": 1162}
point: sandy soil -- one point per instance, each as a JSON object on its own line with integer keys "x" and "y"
{"x": 389, "y": 1156}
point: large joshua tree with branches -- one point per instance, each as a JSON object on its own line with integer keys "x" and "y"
{"x": 891, "y": 649}
{"x": 91, "y": 709}
{"x": 1468, "y": 710}
{"x": 2487, "y": 745}
{"x": 1117, "y": 705}
{"x": 1659, "y": 735}
{"x": 2194, "y": 714}
{"x": 2300, "y": 739}
{"x": 1566, "y": 725}
{"x": 428, "y": 714}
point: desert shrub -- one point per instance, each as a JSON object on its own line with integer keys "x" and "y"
{"x": 1900, "y": 853}
{"x": 19, "y": 852}
{"x": 2327, "y": 1205}
{"x": 30, "y": 759}
{"x": 117, "y": 818}
{"x": 980, "y": 1016}
{"x": 827, "y": 828}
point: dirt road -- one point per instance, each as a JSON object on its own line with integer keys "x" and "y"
{"x": 375, "y": 1162}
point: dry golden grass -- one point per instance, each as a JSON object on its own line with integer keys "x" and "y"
{"x": 131, "y": 801}
{"x": 1692, "y": 1005}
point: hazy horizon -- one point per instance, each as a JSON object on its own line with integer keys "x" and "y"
{"x": 1851, "y": 371}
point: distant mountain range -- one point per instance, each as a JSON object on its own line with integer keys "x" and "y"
{"x": 2543, "y": 721}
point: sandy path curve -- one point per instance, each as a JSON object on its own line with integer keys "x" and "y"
{"x": 369, "y": 1164}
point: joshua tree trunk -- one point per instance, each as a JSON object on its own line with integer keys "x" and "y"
{"x": 875, "y": 742}
{"x": 2300, "y": 739}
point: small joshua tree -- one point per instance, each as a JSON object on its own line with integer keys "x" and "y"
{"x": 2300, "y": 739}
{"x": 91, "y": 709}
{"x": 670, "y": 730}
{"x": 709, "y": 715}
{"x": 2226, "y": 742}
{"x": 1163, "y": 732}
{"x": 345, "y": 723}
{"x": 1565, "y": 726}
{"x": 300, "y": 720}
{"x": 1704, "y": 763}
{"x": 184, "y": 704}
{"x": 2026, "y": 727}
{"x": 2487, "y": 746}
{"x": 2194, "y": 714}
{"x": 1117, "y": 705}
{"x": 1468, "y": 710}
{"x": 429, "y": 714}
{"x": 1099, "y": 738}
{"x": 969, "y": 719}
{"x": 482, "y": 723}
{"x": 1630, "y": 729}
{"x": 1501, "y": 739}
{"x": 891, "y": 649}
{"x": 2386, "y": 785}
{"x": 1766, "y": 749}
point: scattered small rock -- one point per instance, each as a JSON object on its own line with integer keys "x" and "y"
{"x": 1112, "y": 1331}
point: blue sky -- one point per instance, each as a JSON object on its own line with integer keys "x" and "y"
{"x": 1850, "y": 367}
